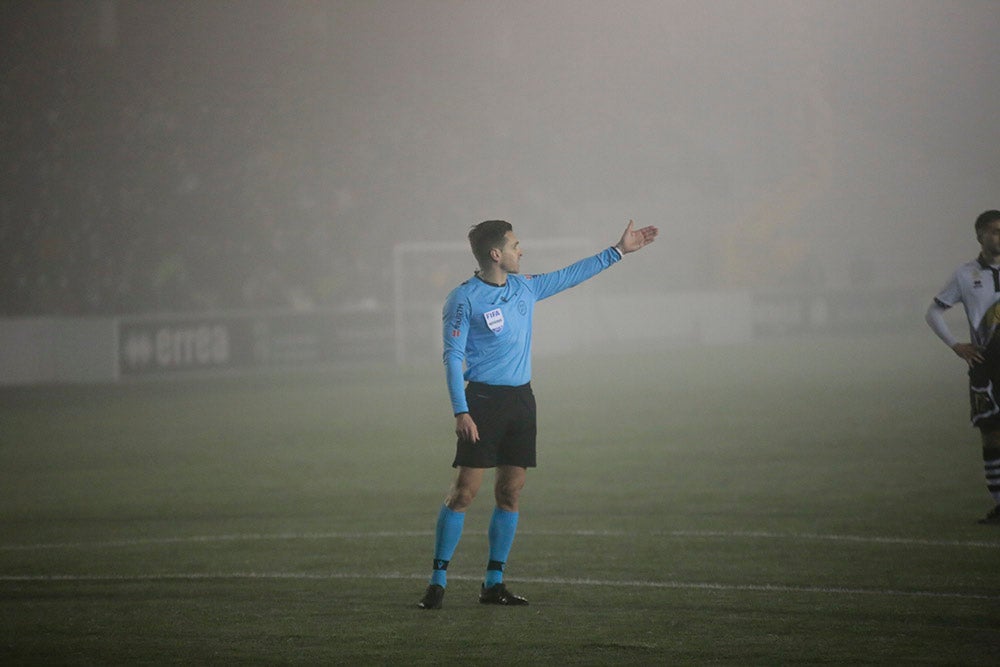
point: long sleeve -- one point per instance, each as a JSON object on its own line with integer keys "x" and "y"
{"x": 935, "y": 318}
{"x": 455, "y": 330}
{"x": 546, "y": 284}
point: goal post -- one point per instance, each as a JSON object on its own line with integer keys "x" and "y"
{"x": 424, "y": 272}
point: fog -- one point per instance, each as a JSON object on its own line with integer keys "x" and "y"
{"x": 770, "y": 141}
{"x": 776, "y": 144}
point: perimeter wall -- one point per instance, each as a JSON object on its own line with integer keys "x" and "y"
{"x": 63, "y": 350}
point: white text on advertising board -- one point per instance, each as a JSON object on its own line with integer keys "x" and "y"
{"x": 202, "y": 345}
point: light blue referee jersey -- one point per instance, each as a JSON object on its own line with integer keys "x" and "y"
{"x": 487, "y": 328}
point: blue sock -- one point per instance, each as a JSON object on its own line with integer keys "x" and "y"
{"x": 446, "y": 537}
{"x": 503, "y": 525}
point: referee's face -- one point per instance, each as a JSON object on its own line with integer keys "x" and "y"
{"x": 510, "y": 255}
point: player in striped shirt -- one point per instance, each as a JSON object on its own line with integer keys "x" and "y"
{"x": 976, "y": 285}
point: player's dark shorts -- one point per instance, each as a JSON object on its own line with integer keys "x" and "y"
{"x": 506, "y": 420}
{"x": 984, "y": 410}
{"x": 984, "y": 378}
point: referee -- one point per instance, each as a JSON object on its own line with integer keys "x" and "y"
{"x": 976, "y": 285}
{"x": 487, "y": 343}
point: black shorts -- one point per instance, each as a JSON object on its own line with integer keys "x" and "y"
{"x": 984, "y": 410}
{"x": 984, "y": 381}
{"x": 505, "y": 418}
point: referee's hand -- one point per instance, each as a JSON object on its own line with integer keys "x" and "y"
{"x": 634, "y": 239}
{"x": 465, "y": 428}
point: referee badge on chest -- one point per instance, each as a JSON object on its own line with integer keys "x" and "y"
{"x": 494, "y": 320}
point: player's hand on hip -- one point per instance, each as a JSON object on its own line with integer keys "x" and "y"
{"x": 633, "y": 239}
{"x": 969, "y": 352}
{"x": 465, "y": 428}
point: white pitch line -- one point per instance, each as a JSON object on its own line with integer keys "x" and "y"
{"x": 234, "y": 537}
{"x": 348, "y": 535}
{"x": 396, "y": 576}
{"x": 871, "y": 539}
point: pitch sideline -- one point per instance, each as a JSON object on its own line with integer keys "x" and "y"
{"x": 674, "y": 585}
{"x": 345, "y": 535}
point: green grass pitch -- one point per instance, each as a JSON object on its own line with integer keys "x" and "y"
{"x": 799, "y": 501}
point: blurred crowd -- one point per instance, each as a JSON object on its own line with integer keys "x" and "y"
{"x": 134, "y": 182}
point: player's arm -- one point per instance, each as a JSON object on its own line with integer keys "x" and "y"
{"x": 455, "y": 321}
{"x": 970, "y": 353}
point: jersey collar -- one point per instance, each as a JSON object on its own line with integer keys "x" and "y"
{"x": 982, "y": 263}
{"x": 488, "y": 282}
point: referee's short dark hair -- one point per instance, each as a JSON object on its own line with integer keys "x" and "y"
{"x": 488, "y": 235}
{"x": 985, "y": 218}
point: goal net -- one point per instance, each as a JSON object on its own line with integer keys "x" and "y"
{"x": 424, "y": 272}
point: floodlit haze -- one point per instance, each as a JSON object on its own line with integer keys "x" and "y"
{"x": 824, "y": 144}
